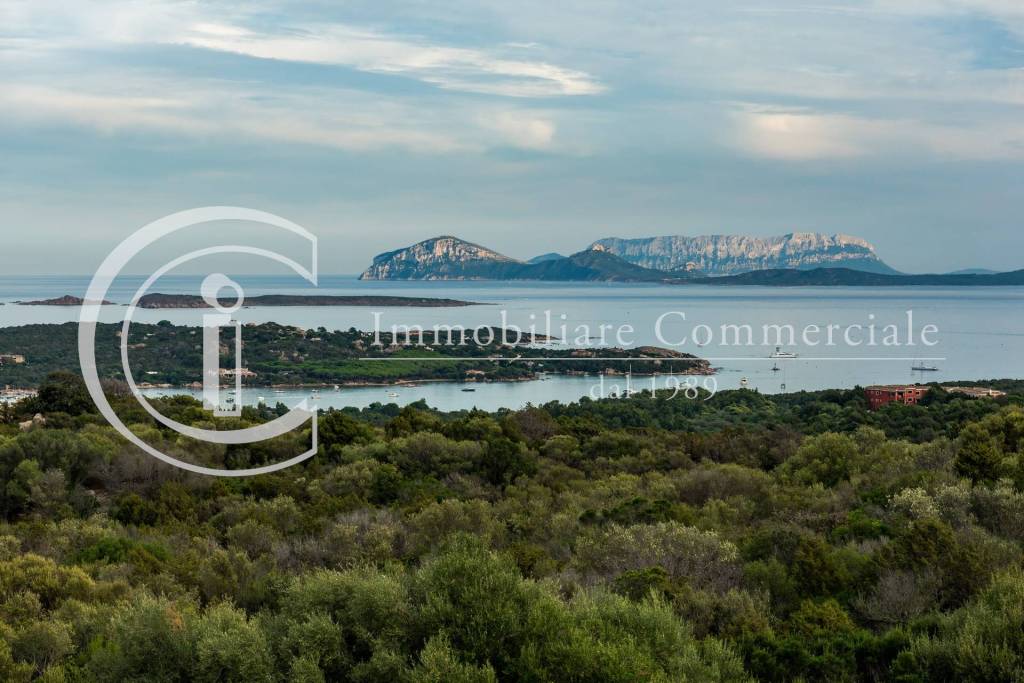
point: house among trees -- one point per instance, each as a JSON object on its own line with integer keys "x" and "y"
{"x": 976, "y": 392}
{"x": 881, "y": 394}
{"x": 241, "y": 372}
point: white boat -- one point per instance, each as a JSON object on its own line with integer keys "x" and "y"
{"x": 392, "y": 394}
{"x": 779, "y": 353}
{"x": 743, "y": 382}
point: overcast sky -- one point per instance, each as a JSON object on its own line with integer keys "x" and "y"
{"x": 527, "y": 126}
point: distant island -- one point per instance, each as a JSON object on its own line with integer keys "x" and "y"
{"x": 845, "y": 277}
{"x": 794, "y": 260}
{"x": 66, "y": 300}
{"x": 194, "y": 301}
{"x": 653, "y": 259}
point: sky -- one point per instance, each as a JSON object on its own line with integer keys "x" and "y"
{"x": 529, "y": 126}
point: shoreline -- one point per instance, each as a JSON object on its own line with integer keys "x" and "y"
{"x": 406, "y": 382}
{"x": 157, "y": 301}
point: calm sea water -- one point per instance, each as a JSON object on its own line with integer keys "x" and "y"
{"x": 980, "y": 331}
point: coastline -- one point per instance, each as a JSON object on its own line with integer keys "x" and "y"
{"x": 157, "y": 301}
{"x": 407, "y": 382}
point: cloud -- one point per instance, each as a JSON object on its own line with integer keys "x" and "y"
{"x": 45, "y": 25}
{"x": 105, "y": 112}
{"x": 452, "y": 68}
{"x": 521, "y": 129}
{"x": 208, "y": 113}
{"x": 870, "y": 95}
{"x": 997, "y": 8}
{"x": 351, "y": 122}
{"x": 804, "y": 135}
{"x": 794, "y": 136}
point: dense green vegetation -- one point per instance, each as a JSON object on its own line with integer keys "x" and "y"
{"x": 746, "y": 537}
{"x": 280, "y": 354}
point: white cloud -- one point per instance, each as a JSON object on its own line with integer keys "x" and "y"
{"x": 794, "y": 136}
{"x": 352, "y": 121}
{"x": 803, "y": 135}
{"x": 209, "y": 113}
{"x": 452, "y": 68}
{"x": 105, "y": 112}
{"x": 46, "y": 25}
{"x": 521, "y": 129}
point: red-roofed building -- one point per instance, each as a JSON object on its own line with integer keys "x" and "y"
{"x": 907, "y": 394}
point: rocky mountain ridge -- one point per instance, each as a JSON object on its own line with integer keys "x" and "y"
{"x": 651, "y": 259}
{"x": 731, "y": 254}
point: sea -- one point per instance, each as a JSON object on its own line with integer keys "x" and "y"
{"x": 878, "y": 335}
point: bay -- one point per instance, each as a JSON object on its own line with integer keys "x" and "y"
{"x": 979, "y": 331}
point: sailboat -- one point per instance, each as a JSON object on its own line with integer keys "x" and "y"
{"x": 630, "y": 391}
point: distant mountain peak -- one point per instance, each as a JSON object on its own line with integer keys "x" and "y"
{"x": 550, "y": 256}
{"x": 434, "y": 258}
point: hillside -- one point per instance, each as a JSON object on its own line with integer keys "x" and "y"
{"x": 739, "y": 538}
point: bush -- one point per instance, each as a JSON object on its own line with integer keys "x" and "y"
{"x": 700, "y": 557}
{"x": 982, "y": 641}
{"x": 229, "y": 648}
